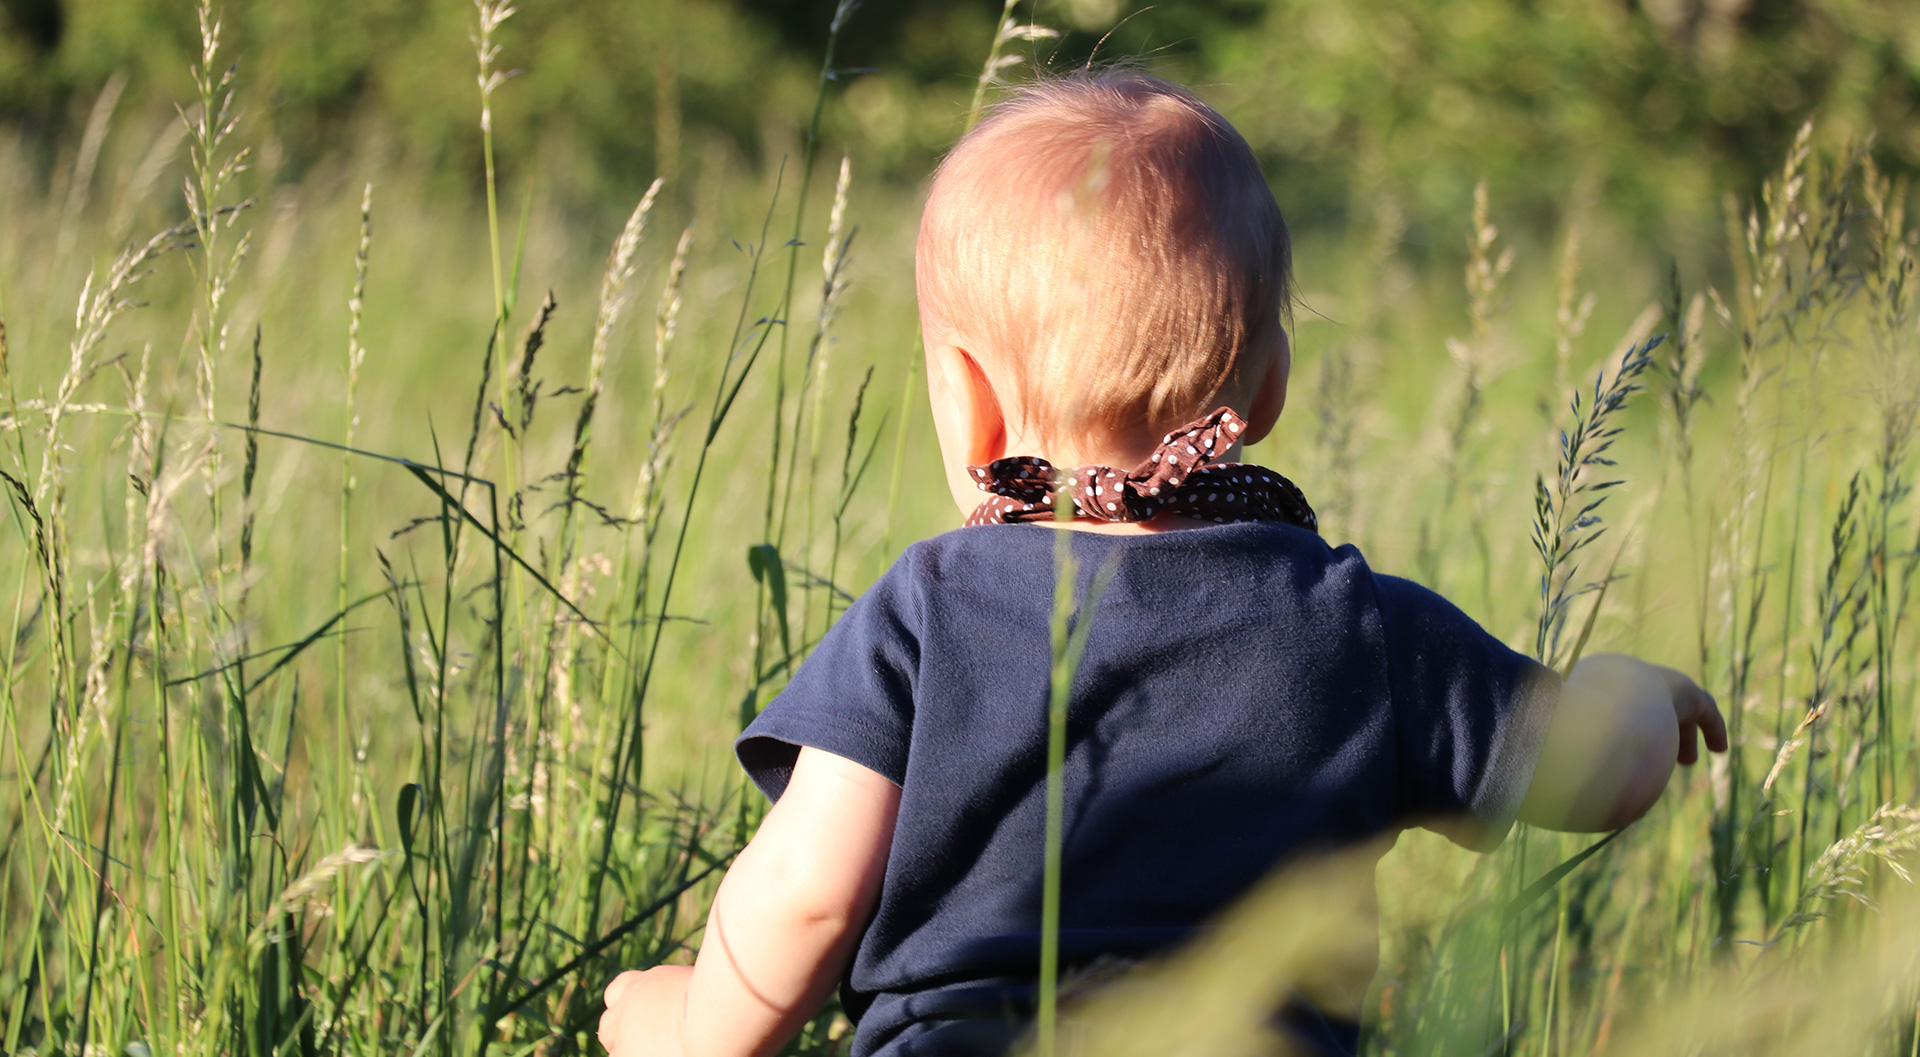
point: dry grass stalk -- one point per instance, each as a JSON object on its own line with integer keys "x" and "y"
{"x": 1008, "y": 30}
{"x": 615, "y": 292}
{"x": 833, "y": 284}
{"x": 210, "y": 128}
{"x": 356, "y": 305}
{"x": 666, "y": 321}
{"x": 489, "y": 16}
{"x": 302, "y": 894}
{"x": 667, "y": 315}
{"x": 1889, "y": 836}
{"x": 1485, "y": 272}
{"x": 99, "y": 305}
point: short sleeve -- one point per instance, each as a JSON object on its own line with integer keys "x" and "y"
{"x": 853, "y": 696}
{"x": 1470, "y": 714}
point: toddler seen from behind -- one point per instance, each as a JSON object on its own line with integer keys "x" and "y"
{"x": 1103, "y": 279}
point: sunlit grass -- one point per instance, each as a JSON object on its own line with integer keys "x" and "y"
{"x": 373, "y": 693}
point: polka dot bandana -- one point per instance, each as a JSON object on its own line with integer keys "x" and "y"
{"x": 1179, "y": 477}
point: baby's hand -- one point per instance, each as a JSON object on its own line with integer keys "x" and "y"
{"x": 643, "y": 1014}
{"x": 1620, "y": 726}
{"x": 1694, "y": 709}
{"x": 1697, "y": 711}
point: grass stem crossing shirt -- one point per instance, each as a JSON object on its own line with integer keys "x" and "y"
{"x": 1247, "y": 694}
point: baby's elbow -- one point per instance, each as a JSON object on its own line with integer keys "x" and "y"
{"x": 821, "y": 909}
{"x": 801, "y": 893}
{"x": 830, "y": 924}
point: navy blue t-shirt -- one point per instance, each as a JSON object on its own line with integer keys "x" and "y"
{"x": 1246, "y": 694}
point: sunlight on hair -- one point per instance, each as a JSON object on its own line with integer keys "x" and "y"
{"x": 1184, "y": 261}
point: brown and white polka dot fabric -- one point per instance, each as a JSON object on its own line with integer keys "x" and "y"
{"x": 1179, "y": 477}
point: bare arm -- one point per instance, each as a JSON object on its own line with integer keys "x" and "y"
{"x": 1617, "y": 731}
{"x": 782, "y": 928}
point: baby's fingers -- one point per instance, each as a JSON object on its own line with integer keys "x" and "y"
{"x": 609, "y": 1033}
{"x": 1695, "y": 710}
{"x": 1712, "y": 724}
{"x": 614, "y": 997}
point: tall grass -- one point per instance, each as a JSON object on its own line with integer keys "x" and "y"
{"x": 415, "y": 763}
{"x": 198, "y": 863}
{"x": 1737, "y": 870}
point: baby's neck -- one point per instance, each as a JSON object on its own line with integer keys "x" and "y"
{"x": 1167, "y": 522}
{"x": 1123, "y": 454}
{"x": 1122, "y": 457}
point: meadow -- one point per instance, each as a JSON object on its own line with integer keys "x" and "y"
{"x": 391, "y": 570}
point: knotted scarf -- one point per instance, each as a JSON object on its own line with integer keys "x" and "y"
{"x": 1180, "y": 476}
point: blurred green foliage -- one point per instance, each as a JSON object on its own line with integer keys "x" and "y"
{"x": 601, "y": 81}
{"x": 1643, "y": 107}
{"x": 1649, "y": 106}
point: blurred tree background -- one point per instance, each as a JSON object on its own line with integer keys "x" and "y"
{"x": 1644, "y": 108}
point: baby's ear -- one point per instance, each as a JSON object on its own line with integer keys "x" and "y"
{"x": 1270, "y": 391}
{"x": 966, "y": 415}
{"x": 974, "y": 417}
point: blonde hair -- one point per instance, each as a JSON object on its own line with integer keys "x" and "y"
{"x": 1109, "y": 239}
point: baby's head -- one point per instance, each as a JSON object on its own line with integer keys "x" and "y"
{"x": 1100, "y": 262}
